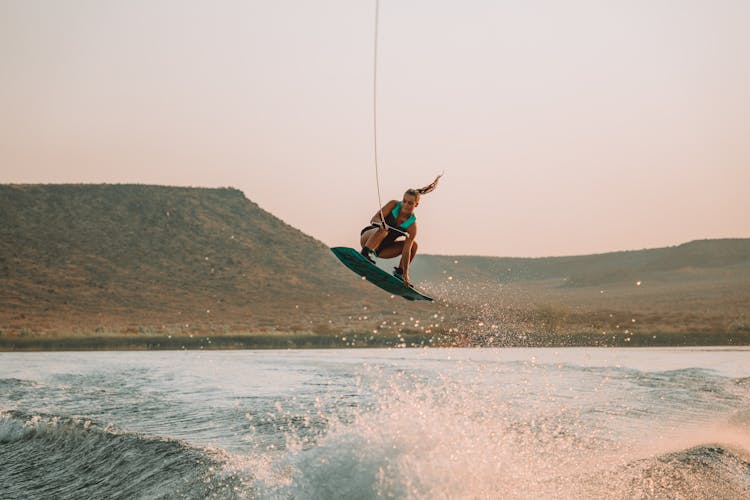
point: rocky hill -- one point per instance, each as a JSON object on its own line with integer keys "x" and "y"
{"x": 94, "y": 256}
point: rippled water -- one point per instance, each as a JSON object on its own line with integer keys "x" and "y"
{"x": 416, "y": 423}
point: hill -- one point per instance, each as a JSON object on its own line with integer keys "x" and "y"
{"x": 104, "y": 257}
{"x": 135, "y": 265}
{"x": 697, "y": 287}
{"x": 587, "y": 270}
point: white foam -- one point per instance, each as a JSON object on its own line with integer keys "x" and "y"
{"x": 442, "y": 439}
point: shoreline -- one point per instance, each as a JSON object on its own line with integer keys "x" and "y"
{"x": 359, "y": 341}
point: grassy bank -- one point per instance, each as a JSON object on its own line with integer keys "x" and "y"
{"x": 313, "y": 341}
{"x": 248, "y": 341}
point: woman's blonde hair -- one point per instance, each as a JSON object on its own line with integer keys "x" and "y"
{"x": 424, "y": 190}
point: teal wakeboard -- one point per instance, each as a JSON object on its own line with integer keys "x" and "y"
{"x": 372, "y": 273}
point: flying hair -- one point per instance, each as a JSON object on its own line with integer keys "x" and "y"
{"x": 427, "y": 189}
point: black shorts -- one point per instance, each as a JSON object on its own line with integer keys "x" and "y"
{"x": 389, "y": 240}
{"x": 371, "y": 226}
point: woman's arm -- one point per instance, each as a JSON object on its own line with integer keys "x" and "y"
{"x": 387, "y": 208}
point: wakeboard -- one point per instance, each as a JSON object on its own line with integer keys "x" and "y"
{"x": 357, "y": 262}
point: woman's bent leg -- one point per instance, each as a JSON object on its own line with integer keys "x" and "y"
{"x": 372, "y": 238}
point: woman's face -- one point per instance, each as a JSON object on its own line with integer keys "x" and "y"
{"x": 409, "y": 203}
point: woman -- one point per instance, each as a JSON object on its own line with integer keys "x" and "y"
{"x": 394, "y": 221}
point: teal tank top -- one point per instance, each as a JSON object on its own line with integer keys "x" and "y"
{"x": 408, "y": 222}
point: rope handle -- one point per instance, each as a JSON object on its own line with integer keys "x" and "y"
{"x": 390, "y": 228}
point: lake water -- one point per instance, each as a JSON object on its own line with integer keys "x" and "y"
{"x": 377, "y": 423}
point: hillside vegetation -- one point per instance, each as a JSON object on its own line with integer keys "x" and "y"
{"x": 106, "y": 256}
{"x": 177, "y": 263}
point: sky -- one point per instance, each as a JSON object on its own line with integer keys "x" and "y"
{"x": 562, "y": 128}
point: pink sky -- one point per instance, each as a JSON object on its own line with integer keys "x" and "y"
{"x": 562, "y": 127}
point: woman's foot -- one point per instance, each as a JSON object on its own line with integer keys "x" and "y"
{"x": 366, "y": 253}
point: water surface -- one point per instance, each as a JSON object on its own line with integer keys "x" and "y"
{"x": 400, "y": 423}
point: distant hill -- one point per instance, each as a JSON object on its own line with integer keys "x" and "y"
{"x": 100, "y": 254}
{"x": 587, "y": 270}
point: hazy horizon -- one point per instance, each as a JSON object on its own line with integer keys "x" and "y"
{"x": 562, "y": 129}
